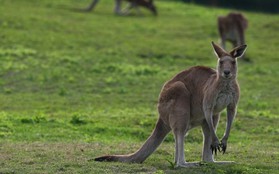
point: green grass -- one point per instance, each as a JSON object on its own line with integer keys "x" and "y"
{"x": 76, "y": 85}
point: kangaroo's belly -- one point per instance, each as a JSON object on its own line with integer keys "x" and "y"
{"x": 197, "y": 114}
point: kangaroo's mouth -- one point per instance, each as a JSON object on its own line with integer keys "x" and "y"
{"x": 227, "y": 76}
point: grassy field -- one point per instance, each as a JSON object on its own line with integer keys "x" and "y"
{"x": 78, "y": 85}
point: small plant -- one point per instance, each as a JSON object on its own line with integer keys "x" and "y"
{"x": 62, "y": 92}
{"x": 34, "y": 120}
{"x": 8, "y": 90}
{"x": 5, "y": 130}
{"x": 172, "y": 164}
{"x": 76, "y": 120}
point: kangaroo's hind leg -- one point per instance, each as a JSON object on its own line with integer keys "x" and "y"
{"x": 117, "y": 9}
{"x": 179, "y": 119}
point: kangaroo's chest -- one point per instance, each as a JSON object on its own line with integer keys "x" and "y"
{"x": 222, "y": 101}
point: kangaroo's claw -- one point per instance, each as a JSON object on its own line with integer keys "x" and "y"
{"x": 214, "y": 149}
{"x": 224, "y": 147}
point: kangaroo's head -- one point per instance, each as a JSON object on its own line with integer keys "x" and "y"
{"x": 227, "y": 61}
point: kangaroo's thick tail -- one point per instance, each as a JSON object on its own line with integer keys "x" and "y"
{"x": 150, "y": 145}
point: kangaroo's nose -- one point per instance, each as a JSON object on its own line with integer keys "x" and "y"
{"x": 227, "y": 72}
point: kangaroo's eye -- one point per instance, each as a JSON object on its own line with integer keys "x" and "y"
{"x": 233, "y": 62}
{"x": 221, "y": 62}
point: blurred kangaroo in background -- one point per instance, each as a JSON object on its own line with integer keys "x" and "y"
{"x": 132, "y": 4}
{"x": 194, "y": 97}
{"x": 231, "y": 28}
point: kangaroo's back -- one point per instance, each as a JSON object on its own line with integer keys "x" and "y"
{"x": 190, "y": 84}
{"x": 193, "y": 78}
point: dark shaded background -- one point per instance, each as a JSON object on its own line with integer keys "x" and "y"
{"x": 268, "y": 6}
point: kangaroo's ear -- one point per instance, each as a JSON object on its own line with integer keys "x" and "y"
{"x": 238, "y": 51}
{"x": 220, "y": 52}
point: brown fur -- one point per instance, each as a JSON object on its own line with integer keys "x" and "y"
{"x": 232, "y": 28}
{"x": 148, "y": 4}
{"x": 194, "y": 97}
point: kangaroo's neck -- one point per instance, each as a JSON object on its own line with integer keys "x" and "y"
{"x": 223, "y": 84}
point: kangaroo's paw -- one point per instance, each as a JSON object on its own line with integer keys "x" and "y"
{"x": 215, "y": 146}
{"x": 223, "y": 145}
{"x": 188, "y": 164}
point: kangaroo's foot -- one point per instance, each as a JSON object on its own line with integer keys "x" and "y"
{"x": 217, "y": 162}
{"x": 188, "y": 164}
{"x": 224, "y": 162}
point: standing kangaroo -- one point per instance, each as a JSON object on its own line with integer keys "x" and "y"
{"x": 194, "y": 97}
{"x": 231, "y": 28}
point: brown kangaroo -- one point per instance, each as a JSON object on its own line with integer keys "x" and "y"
{"x": 132, "y": 4}
{"x": 231, "y": 28}
{"x": 194, "y": 97}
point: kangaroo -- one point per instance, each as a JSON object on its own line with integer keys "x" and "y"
{"x": 132, "y": 4}
{"x": 194, "y": 97}
{"x": 231, "y": 28}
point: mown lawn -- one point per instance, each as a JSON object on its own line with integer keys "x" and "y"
{"x": 75, "y": 85}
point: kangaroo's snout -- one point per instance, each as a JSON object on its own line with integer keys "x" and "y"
{"x": 227, "y": 72}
